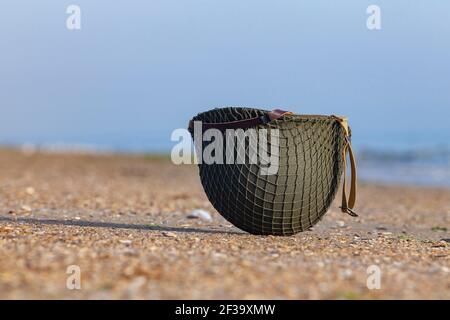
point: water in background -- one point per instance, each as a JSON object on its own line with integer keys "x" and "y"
{"x": 397, "y": 164}
{"x": 424, "y": 167}
{"x": 404, "y": 157}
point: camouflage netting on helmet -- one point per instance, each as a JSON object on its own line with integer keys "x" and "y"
{"x": 298, "y": 195}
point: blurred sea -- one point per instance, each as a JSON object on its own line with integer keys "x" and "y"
{"x": 424, "y": 167}
{"x": 401, "y": 165}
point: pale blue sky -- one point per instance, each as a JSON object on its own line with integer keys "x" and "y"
{"x": 139, "y": 69}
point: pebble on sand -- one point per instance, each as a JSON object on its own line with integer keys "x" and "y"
{"x": 200, "y": 214}
{"x": 126, "y": 242}
{"x": 340, "y": 223}
{"x": 169, "y": 234}
{"x": 26, "y": 208}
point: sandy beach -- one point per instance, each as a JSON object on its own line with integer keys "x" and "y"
{"x": 124, "y": 221}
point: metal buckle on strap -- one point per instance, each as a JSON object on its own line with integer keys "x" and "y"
{"x": 349, "y": 211}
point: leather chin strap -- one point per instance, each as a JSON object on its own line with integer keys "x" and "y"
{"x": 243, "y": 124}
{"x": 348, "y": 203}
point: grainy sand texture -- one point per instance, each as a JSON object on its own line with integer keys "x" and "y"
{"x": 123, "y": 220}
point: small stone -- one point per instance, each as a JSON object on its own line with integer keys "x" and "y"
{"x": 219, "y": 255}
{"x": 30, "y": 190}
{"x": 26, "y": 208}
{"x": 445, "y": 269}
{"x": 125, "y": 242}
{"x": 169, "y": 234}
{"x": 340, "y": 223}
{"x": 200, "y": 214}
{"x": 439, "y": 244}
{"x": 346, "y": 273}
{"x": 136, "y": 285}
{"x": 77, "y": 218}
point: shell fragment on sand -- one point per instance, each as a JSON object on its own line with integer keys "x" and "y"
{"x": 200, "y": 214}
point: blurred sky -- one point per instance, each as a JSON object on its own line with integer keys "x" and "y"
{"x": 139, "y": 69}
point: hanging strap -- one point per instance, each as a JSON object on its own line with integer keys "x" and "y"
{"x": 243, "y": 124}
{"x": 348, "y": 203}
